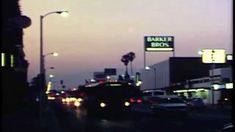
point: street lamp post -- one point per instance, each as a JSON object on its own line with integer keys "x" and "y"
{"x": 48, "y": 69}
{"x": 42, "y": 83}
{"x": 42, "y": 61}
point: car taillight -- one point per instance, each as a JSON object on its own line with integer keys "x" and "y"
{"x": 132, "y": 100}
{"x": 139, "y": 101}
{"x": 82, "y": 94}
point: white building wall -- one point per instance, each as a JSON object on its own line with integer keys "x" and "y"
{"x": 160, "y": 71}
{"x": 201, "y": 85}
{"x": 162, "y": 74}
{"x": 147, "y": 77}
{"x": 217, "y": 95}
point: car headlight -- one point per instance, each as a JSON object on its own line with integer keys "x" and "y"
{"x": 102, "y": 104}
{"x": 77, "y": 103}
{"x": 127, "y": 103}
{"x": 50, "y": 98}
{"x": 63, "y": 100}
{"x": 79, "y": 99}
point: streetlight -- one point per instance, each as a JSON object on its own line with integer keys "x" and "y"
{"x": 51, "y": 67}
{"x": 42, "y": 63}
{"x": 44, "y": 70}
{"x": 43, "y": 60}
{"x": 51, "y": 76}
{"x": 53, "y": 53}
{"x": 48, "y": 68}
{"x": 147, "y": 68}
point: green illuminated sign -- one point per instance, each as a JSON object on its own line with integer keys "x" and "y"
{"x": 159, "y": 43}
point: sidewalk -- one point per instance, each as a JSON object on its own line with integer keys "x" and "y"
{"x": 21, "y": 120}
{"x": 29, "y": 120}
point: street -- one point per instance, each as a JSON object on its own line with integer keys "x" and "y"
{"x": 73, "y": 120}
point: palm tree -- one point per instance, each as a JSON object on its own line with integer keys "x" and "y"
{"x": 125, "y": 60}
{"x": 131, "y": 57}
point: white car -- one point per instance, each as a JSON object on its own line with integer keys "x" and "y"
{"x": 168, "y": 105}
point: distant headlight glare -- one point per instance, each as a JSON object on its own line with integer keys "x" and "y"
{"x": 102, "y": 104}
{"x": 77, "y": 103}
{"x": 127, "y": 103}
{"x": 79, "y": 99}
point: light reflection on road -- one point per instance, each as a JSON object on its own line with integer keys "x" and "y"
{"x": 139, "y": 123}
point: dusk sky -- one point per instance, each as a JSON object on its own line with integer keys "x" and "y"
{"x": 97, "y": 33}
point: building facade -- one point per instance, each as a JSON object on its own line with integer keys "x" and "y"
{"x": 13, "y": 63}
{"x": 190, "y": 77}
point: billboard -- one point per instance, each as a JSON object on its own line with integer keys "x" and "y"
{"x": 110, "y": 71}
{"x": 159, "y": 43}
{"x": 99, "y": 76}
{"x": 213, "y": 56}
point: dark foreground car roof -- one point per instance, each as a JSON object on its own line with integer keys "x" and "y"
{"x": 112, "y": 89}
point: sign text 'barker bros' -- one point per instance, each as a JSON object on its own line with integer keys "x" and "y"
{"x": 159, "y": 43}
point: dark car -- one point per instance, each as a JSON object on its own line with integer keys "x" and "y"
{"x": 110, "y": 97}
{"x": 53, "y": 95}
{"x": 196, "y": 103}
{"x": 228, "y": 127}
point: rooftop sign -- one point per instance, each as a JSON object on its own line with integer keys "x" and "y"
{"x": 110, "y": 71}
{"x": 159, "y": 43}
{"x": 213, "y": 56}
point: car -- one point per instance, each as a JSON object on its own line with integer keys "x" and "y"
{"x": 109, "y": 98}
{"x": 153, "y": 92}
{"x": 53, "y": 95}
{"x": 168, "y": 105}
{"x": 196, "y": 103}
{"x": 228, "y": 127}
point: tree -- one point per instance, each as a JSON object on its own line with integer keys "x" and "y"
{"x": 125, "y": 60}
{"x": 131, "y": 57}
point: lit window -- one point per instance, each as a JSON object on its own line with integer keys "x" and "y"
{"x": 229, "y": 85}
{"x": 3, "y": 60}
{"x": 12, "y": 60}
{"x": 229, "y": 57}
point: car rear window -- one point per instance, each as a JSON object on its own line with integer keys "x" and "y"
{"x": 113, "y": 90}
{"x": 167, "y": 100}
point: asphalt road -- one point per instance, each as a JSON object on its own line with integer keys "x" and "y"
{"x": 73, "y": 120}
{"x": 61, "y": 118}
